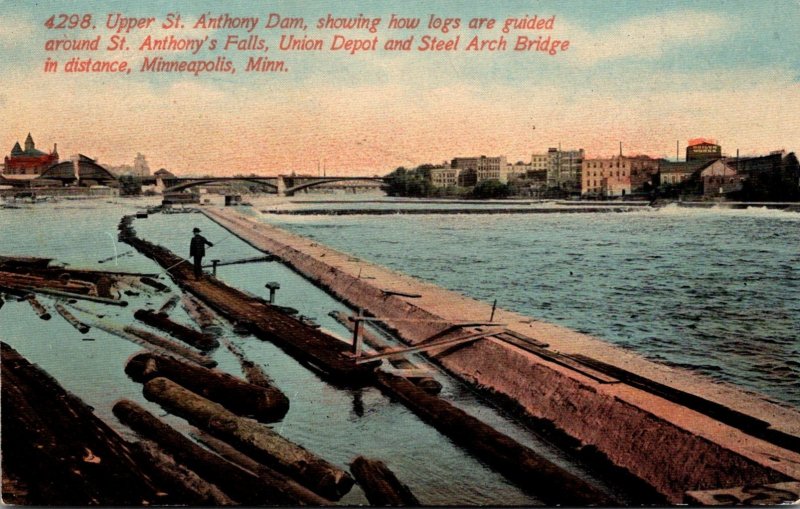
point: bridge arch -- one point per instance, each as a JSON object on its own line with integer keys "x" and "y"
{"x": 327, "y": 180}
{"x": 186, "y": 185}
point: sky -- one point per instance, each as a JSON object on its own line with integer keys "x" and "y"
{"x": 646, "y": 74}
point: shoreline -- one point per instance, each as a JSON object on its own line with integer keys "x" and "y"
{"x": 607, "y": 415}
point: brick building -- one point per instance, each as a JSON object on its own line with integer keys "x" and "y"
{"x": 30, "y": 161}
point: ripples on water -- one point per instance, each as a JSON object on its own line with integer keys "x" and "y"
{"x": 714, "y": 290}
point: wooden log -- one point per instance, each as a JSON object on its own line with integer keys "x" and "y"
{"x": 303, "y": 494}
{"x": 19, "y": 293}
{"x": 169, "y": 346}
{"x": 168, "y": 305}
{"x": 78, "y": 296}
{"x": 253, "y": 438}
{"x": 380, "y": 485}
{"x": 56, "y": 447}
{"x": 426, "y": 383}
{"x": 23, "y": 262}
{"x": 201, "y": 314}
{"x": 193, "y": 337}
{"x": 37, "y": 281}
{"x": 252, "y": 371}
{"x": 161, "y": 287}
{"x": 190, "y": 488}
{"x": 238, "y": 483}
{"x": 38, "y": 307}
{"x": 517, "y": 462}
{"x": 70, "y": 318}
{"x": 198, "y": 311}
{"x": 153, "y": 342}
{"x": 267, "y": 404}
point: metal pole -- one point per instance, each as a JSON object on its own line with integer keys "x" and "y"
{"x": 494, "y": 306}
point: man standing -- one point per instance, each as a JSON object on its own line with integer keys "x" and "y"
{"x": 197, "y": 250}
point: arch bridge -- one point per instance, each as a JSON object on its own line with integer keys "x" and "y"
{"x": 282, "y": 185}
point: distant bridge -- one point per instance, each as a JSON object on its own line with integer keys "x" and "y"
{"x": 282, "y": 185}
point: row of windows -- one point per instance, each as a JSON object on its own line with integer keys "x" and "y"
{"x": 603, "y": 174}
{"x": 602, "y": 165}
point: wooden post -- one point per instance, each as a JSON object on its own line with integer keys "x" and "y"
{"x": 494, "y": 306}
{"x": 357, "y": 335}
{"x": 273, "y": 287}
{"x": 214, "y": 264}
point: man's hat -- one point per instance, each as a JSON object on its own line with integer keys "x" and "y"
{"x": 196, "y": 230}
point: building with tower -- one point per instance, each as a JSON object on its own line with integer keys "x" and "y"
{"x": 29, "y": 161}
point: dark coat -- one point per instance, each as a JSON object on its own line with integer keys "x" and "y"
{"x": 197, "y": 248}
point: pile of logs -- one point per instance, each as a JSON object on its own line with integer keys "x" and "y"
{"x": 266, "y": 404}
{"x": 57, "y": 452}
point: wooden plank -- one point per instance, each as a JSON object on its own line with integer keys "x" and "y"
{"x": 428, "y": 346}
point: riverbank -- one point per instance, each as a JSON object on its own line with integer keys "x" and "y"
{"x": 692, "y": 449}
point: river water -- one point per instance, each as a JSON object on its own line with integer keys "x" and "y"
{"x": 714, "y": 290}
{"x": 717, "y": 291}
{"x": 337, "y": 424}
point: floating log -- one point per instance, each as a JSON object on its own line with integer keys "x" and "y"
{"x": 254, "y": 439}
{"x": 278, "y": 480}
{"x": 425, "y": 382}
{"x": 161, "y": 287}
{"x": 380, "y": 485}
{"x": 78, "y": 296}
{"x": 252, "y": 371}
{"x": 126, "y": 253}
{"x": 19, "y": 293}
{"x": 134, "y": 283}
{"x": 199, "y": 312}
{"x": 38, "y": 307}
{"x": 153, "y": 342}
{"x": 23, "y": 262}
{"x": 16, "y": 280}
{"x": 239, "y": 484}
{"x": 193, "y": 337}
{"x": 191, "y": 489}
{"x": 56, "y": 447}
{"x": 168, "y": 305}
{"x": 266, "y": 404}
{"x": 70, "y": 318}
{"x": 551, "y": 483}
{"x": 171, "y": 347}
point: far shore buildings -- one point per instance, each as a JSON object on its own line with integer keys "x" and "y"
{"x": 618, "y": 176}
{"x": 564, "y": 168}
{"x": 468, "y": 171}
{"x": 30, "y": 161}
{"x": 140, "y": 168}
